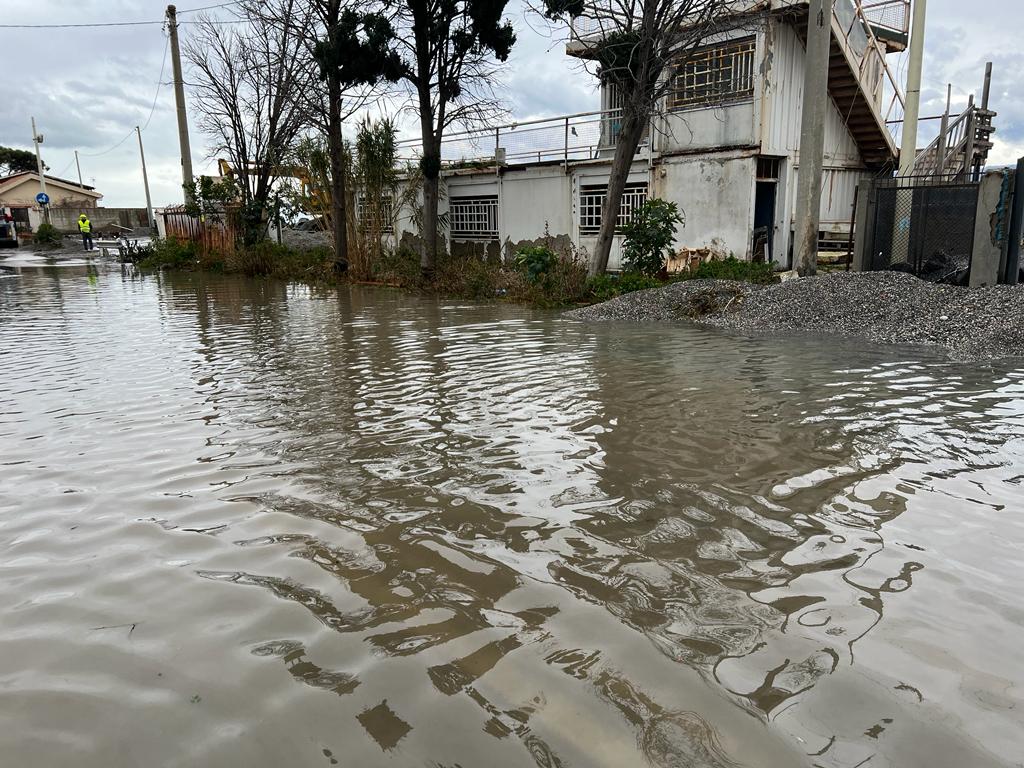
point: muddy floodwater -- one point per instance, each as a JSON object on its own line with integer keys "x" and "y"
{"x": 246, "y": 523}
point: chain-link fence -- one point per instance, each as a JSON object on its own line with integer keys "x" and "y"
{"x": 924, "y": 226}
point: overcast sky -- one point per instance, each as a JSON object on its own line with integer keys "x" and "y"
{"x": 89, "y": 88}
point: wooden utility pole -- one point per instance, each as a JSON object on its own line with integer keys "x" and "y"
{"x": 36, "y": 141}
{"x": 145, "y": 178}
{"x": 908, "y": 146}
{"x": 812, "y": 136}
{"x": 179, "y": 100}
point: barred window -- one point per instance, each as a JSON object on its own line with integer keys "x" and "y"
{"x": 592, "y": 200}
{"x": 385, "y": 208}
{"x": 474, "y": 218}
{"x": 714, "y": 74}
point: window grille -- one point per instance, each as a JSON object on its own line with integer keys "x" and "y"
{"x": 714, "y": 75}
{"x": 768, "y": 168}
{"x": 386, "y": 209}
{"x": 592, "y": 200}
{"x": 474, "y": 218}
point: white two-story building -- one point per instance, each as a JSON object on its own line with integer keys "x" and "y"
{"x": 724, "y": 145}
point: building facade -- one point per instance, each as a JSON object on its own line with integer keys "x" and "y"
{"x": 724, "y": 145}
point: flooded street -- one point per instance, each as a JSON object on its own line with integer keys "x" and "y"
{"x": 244, "y": 523}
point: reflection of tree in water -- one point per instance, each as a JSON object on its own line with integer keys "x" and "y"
{"x": 293, "y": 655}
{"x": 454, "y": 450}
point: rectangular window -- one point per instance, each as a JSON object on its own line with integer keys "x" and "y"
{"x": 474, "y": 218}
{"x": 386, "y": 210}
{"x": 592, "y": 200}
{"x": 768, "y": 168}
{"x": 714, "y": 74}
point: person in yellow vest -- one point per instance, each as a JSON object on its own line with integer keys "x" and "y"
{"x": 85, "y": 227}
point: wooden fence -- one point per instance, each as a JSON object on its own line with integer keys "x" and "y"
{"x": 213, "y": 233}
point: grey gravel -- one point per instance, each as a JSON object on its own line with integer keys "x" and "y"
{"x": 887, "y": 307}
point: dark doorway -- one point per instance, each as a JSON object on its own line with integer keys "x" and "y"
{"x": 764, "y": 221}
{"x": 762, "y": 247}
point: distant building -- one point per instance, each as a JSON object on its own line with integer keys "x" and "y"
{"x": 20, "y": 190}
{"x": 18, "y": 193}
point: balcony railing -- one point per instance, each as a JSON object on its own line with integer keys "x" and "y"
{"x": 582, "y": 136}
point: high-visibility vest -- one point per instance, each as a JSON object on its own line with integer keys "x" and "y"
{"x": 84, "y": 226}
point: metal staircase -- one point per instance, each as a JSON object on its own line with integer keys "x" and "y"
{"x": 864, "y": 88}
{"x": 961, "y": 149}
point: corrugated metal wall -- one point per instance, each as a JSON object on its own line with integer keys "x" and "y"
{"x": 783, "y": 103}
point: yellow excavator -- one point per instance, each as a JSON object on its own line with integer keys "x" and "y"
{"x": 318, "y": 201}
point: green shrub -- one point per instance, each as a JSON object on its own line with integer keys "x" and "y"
{"x": 734, "y": 269}
{"x": 604, "y": 287}
{"x": 467, "y": 277}
{"x": 648, "y": 237}
{"x": 537, "y": 261}
{"x": 171, "y": 253}
{"x": 47, "y": 235}
{"x": 269, "y": 259}
{"x": 561, "y": 282}
{"x": 398, "y": 265}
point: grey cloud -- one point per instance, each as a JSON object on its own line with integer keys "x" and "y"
{"x": 89, "y": 87}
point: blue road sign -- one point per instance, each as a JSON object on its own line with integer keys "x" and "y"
{"x": 43, "y": 199}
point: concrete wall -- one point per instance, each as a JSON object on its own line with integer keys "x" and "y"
{"x": 782, "y": 103}
{"x": 716, "y": 195}
{"x": 66, "y": 218}
{"x": 990, "y": 229}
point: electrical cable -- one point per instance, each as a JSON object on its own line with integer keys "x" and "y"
{"x": 159, "y": 83}
{"x": 108, "y": 151}
{"x": 126, "y": 23}
{"x": 209, "y": 7}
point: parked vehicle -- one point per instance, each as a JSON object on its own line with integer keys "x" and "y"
{"x": 8, "y": 230}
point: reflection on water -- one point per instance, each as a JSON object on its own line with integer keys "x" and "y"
{"x": 360, "y": 528}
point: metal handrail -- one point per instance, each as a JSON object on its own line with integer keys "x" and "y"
{"x": 951, "y": 144}
{"x": 578, "y": 136}
{"x": 877, "y": 49}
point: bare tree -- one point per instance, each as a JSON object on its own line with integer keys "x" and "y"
{"x": 349, "y": 43}
{"x": 245, "y": 81}
{"x": 636, "y": 46}
{"x": 450, "y": 50}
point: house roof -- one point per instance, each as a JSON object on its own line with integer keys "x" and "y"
{"x": 9, "y": 182}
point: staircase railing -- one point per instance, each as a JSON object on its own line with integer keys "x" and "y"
{"x": 960, "y": 149}
{"x": 856, "y": 36}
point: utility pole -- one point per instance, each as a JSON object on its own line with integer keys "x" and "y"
{"x": 37, "y": 139}
{"x": 79, "y": 167}
{"x": 812, "y": 136}
{"x": 908, "y": 146}
{"x": 179, "y": 100}
{"x": 145, "y": 178}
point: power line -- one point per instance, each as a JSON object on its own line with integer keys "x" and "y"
{"x": 159, "y": 83}
{"x": 108, "y": 151}
{"x": 208, "y": 7}
{"x": 117, "y": 24}
{"x": 127, "y": 23}
{"x": 69, "y": 26}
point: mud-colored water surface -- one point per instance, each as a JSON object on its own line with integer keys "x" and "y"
{"x": 250, "y": 524}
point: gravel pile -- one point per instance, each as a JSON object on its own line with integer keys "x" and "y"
{"x": 305, "y": 240}
{"x": 891, "y": 307}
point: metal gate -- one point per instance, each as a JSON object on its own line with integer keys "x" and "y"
{"x": 922, "y": 225}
